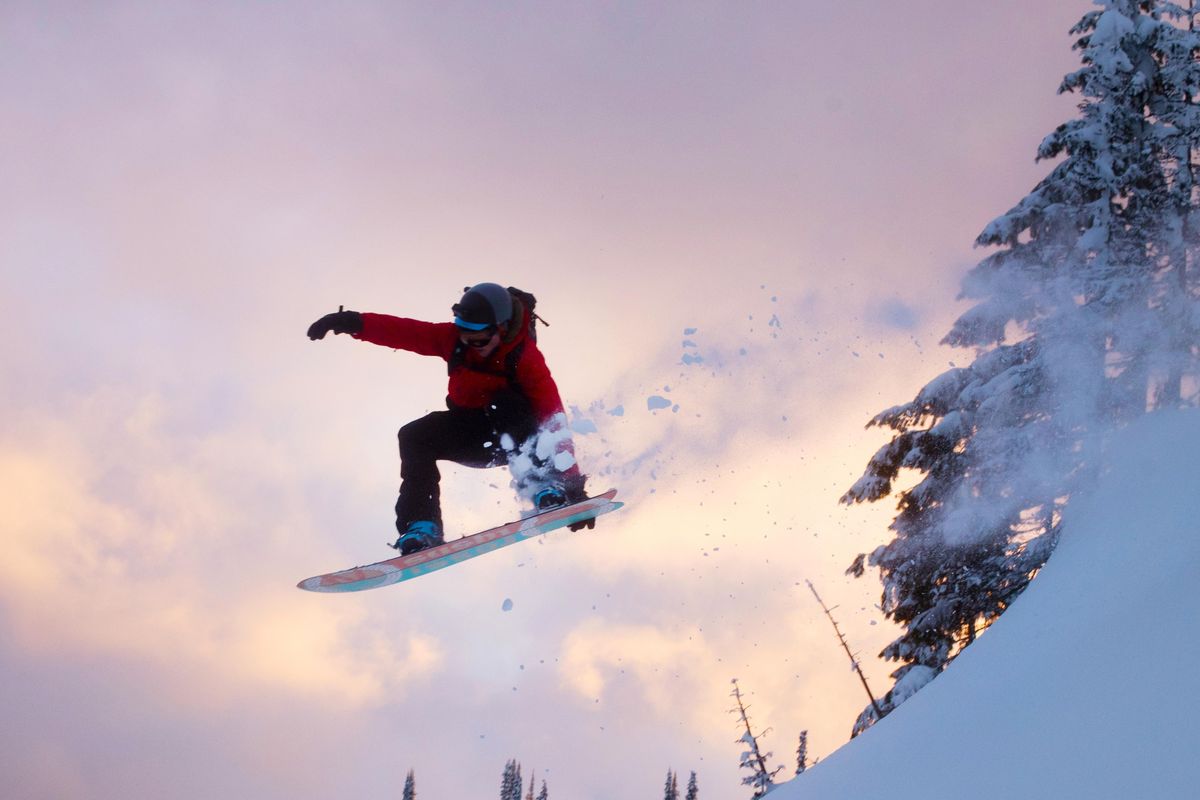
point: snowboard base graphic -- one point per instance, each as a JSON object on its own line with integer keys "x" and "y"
{"x": 403, "y": 568}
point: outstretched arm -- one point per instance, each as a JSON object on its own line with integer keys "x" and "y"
{"x": 423, "y": 338}
{"x": 415, "y": 336}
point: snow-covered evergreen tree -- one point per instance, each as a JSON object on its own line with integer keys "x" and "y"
{"x": 1178, "y": 115}
{"x": 506, "y": 781}
{"x": 410, "y": 787}
{"x": 761, "y": 777}
{"x": 517, "y": 782}
{"x": 1085, "y": 315}
{"x": 511, "y": 783}
{"x": 671, "y": 790}
{"x": 802, "y": 753}
{"x": 544, "y": 794}
{"x": 693, "y": 789}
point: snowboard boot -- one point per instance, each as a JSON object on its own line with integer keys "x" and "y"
{"x": 553, "y": 496}
{"x": 419, "y": 535}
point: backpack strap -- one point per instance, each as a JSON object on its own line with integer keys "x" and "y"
{"x": 458, "y": 358}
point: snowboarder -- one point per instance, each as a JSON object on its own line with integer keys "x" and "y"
{"x": 503, "y": 406}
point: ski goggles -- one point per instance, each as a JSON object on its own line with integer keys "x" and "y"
{"x": 479, "y": 341}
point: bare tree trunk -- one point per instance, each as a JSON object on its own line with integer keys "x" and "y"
{"x": 853, "y": 661}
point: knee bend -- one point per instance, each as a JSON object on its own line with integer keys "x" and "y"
{"x": 409, "y": 437}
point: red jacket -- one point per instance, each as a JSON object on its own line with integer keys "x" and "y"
{"x": 475, "y": 381}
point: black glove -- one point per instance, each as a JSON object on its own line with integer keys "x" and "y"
{"x": 574, "y": 487}
{"x": 338, "y": 322}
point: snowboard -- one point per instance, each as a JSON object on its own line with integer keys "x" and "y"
{"x": 403, "y": 568}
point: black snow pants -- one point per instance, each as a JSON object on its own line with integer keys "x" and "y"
{"x": 468, "y": 436}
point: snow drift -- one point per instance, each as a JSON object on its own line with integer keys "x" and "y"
{"x": 1084, "y": 687}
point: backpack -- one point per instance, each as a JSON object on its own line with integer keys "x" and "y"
{"x": 530, "y": 303}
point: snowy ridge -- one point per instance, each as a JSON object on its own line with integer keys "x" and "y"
{"x": 1084, "y": 687}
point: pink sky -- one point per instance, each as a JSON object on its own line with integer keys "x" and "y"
{"x": 188, "y": 186}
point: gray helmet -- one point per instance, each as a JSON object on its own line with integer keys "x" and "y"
{"x": 483, "y": 306}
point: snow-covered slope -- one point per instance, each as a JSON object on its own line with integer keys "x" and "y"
{"x": 1086, "y": 687}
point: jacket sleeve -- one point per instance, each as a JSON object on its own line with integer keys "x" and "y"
{"x": 415, "y": 336}
{"x": 535, "y": 381}
{"x": 533, "y": 376}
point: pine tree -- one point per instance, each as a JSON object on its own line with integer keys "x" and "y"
{"x": 511, "y": 783}
{"x": 1085, "y": 315}
{"x": 532, "y": 781}
{"x": 802, "y": 753}
{"x": 506, "y": 781}
{"x": 671, "y": 791}
{"x": 693, "y": 790}
{"x": 1178, "y": 113}
{"x": 544, "y": 794}
{"x": 410, "y": 787}
{"x": 761, "y": 778}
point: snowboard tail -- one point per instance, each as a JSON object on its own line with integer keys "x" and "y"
{"x": 403, "y": 568}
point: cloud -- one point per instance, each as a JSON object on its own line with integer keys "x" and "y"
{"x": 595, "y": 651}
{"x": 127, "y": 541}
